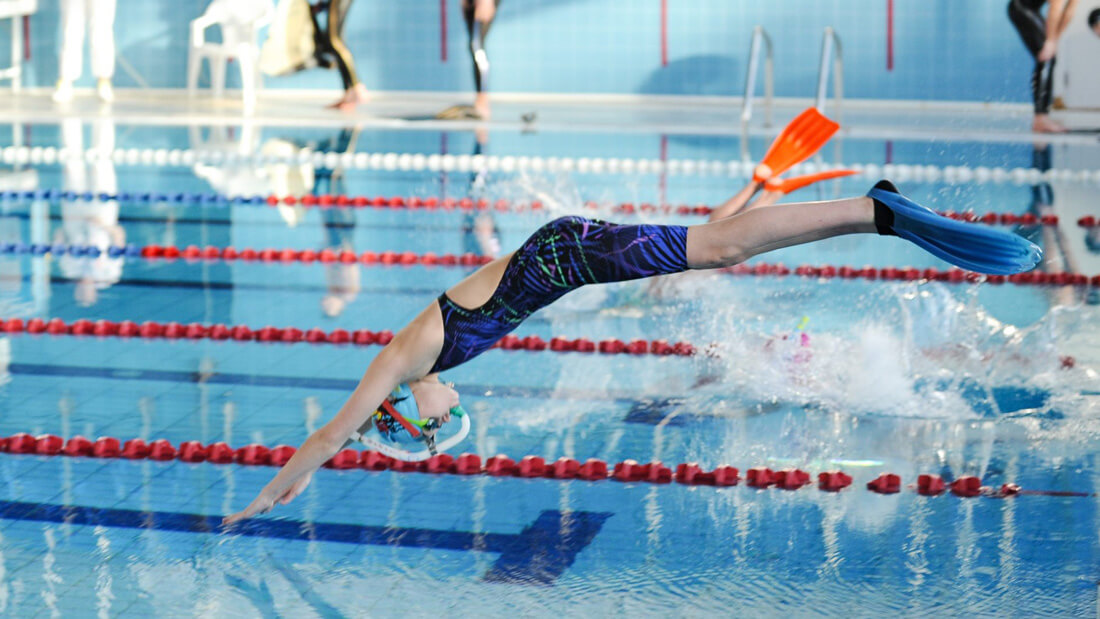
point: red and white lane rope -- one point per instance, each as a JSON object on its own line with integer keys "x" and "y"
{"x": 418, "y": 203}
{"x": 592, "y": 470}
{"x": 291, "y": 335}
{"x": 362, "y": 337}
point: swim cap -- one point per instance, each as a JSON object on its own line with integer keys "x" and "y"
{"x": 396, "y": 418}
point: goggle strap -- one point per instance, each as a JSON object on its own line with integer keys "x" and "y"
{"x": 405, "y": 423}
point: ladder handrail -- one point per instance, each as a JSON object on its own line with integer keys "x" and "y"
{"x": 759, "y": 35}
{"x": 831, "y": 49}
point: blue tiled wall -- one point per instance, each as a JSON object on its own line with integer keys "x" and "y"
{"x": 943, "y": 49}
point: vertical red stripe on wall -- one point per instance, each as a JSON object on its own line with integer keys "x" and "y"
{"x": 26, "y": 37}
{"x": 443, "y": 30}
{"x": 889, "y": 35}
{"x": 664, "y": 33}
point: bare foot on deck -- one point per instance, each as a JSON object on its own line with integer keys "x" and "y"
{"x": 1045, "y": 124}
{"x": 352, "y": 97}
{"x": 481, "y": 104}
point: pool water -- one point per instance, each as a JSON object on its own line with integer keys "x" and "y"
{"x": 997, "y": 381}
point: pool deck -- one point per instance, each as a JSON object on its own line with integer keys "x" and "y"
{"x": 718, "y": 116}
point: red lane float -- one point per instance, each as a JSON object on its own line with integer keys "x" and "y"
{"x": 887, "y": 483}
{"x": 930, "y": 485}
{"x": 967, "y": 487}
{"x": 833, "y": 481}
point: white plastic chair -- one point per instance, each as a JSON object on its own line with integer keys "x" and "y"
{"x": 14, "y": 10}
{"x": 240, "y": 22}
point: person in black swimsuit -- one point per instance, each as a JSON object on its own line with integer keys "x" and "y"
{"x": 479, "y": 16}
{"x": 1041, "y": 35}
{"x": 331, "y": 50}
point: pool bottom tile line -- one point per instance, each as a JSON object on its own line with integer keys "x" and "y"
{"x": 537, "y": 555}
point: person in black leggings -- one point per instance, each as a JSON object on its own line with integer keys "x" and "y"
{"x": 479, "y": 16}
{"x": 1041, "y": 35}
{"x": 331, "y": 50}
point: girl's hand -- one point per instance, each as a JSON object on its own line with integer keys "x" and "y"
{"x": 260, "y": 505}
{"x": 295, "y": 490}
{"x": 1049, "y": 50}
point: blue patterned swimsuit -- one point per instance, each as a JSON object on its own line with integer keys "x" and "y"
{"x": 561, "y": 256}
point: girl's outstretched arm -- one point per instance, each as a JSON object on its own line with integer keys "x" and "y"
{"x": 403, "y": 359}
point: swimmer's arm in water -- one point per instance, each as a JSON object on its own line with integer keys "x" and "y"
{"x": 405, "y": 358}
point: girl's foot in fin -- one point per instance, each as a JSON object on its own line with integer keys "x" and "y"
{"x": 967, "y": 245}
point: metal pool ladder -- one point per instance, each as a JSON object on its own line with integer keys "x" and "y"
{"x": 759, "y": 38}
{"x": 831, "y": 50}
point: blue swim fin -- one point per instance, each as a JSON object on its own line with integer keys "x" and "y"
{"x": 970, "y": 246}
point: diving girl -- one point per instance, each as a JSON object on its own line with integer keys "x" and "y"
{"x": 401, "y": 384}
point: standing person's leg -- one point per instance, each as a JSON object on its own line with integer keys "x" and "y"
{"x": 479, "y": 16}
{"x": 1032, "y": 28}
{"x": 72, "y": 47}
{"x": 101, "y": 45}
{"x": 354, "y": 91}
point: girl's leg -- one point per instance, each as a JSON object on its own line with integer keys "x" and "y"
{"x": 735, "y": 239}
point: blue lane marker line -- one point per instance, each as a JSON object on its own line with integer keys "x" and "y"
{"x": 181, "y": 197}
{"x": 34, "y": 369}
{"x": 537, "y": 555}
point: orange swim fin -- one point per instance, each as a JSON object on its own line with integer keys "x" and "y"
{"x": 787, "y": 185}
{"x": 801, "y": 138}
